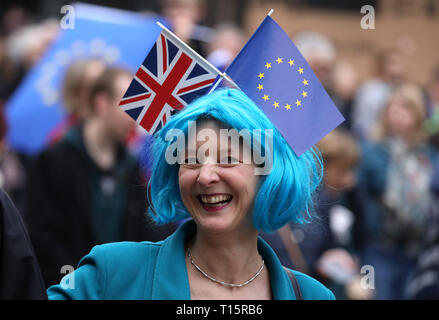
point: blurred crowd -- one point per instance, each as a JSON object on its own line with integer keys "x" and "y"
{"x": 376, "y": 235}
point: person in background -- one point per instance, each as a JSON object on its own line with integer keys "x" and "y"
{"x": 433, "y": 92}
{"x": 217, "y": 254}
{"x": 425, "y": 282}
{"x": 373, "y": 94}
{"x": 14, "y": 17}
{"x": 431, "y": 124}
{"x": 20, "y": 275}
{"x": 6, "y": 73}
{"x": 227, "y": 41}
{"x": 319, "y": 52}
{"x": 87, "y": 189}
{"x": 394, "y": 177}
{"x": 12, "y": 172}
{"x": 326, "y": 248}
{"x": 23, "y": 49}
{"x": 184, "y": 17}
{"x": 75, "y": 93}
{"x": 342, "y": 88}
{"x": 424, "y": 285}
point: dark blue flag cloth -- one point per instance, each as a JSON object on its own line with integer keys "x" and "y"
{"x": 275, "y": 75}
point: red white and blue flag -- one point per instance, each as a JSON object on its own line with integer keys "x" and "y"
{"x": 170, "y": 77}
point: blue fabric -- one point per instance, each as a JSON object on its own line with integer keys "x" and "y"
{"x": 392, "y": 270}
{"x": 157, "y": 271}
{"x": 275, "y": 75}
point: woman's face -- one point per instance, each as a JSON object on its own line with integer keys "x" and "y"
{"x": 218, "y": 193}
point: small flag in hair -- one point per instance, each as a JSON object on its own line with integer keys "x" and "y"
{"x": 275, "y": 75}
{"x": 171, "y": 76}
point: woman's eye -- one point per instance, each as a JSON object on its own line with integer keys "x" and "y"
{"x": 230, "y": 160}
{"x": 191, "y": 161}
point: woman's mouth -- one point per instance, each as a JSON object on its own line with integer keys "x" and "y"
{"x": 215, "y": 202}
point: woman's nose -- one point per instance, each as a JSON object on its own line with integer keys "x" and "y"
{"x": 208, "y": 174}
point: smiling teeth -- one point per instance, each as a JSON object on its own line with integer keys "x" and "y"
{"x": 215, "y": 199}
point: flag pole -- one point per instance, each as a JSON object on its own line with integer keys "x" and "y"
{"x": 217, "y": 82}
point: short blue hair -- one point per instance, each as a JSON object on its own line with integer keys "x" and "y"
{"x": 284, "y": 195}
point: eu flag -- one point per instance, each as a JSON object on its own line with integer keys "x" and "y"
{"x": 275, "y": 75}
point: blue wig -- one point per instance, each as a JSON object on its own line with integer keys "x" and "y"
{"x": 284, "y": 195}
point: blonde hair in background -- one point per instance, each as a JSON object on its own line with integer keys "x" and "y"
{"x": 413, "y": 99}
{"x": 78, "y": 79}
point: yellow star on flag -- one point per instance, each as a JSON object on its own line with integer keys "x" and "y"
{"x": 305, "y": 82}
{"x": 260, "y": 75}
{"x": 288, "y": 106}
{"x": 291, "y": 62}
{"x": 298, "y": 103}
{"x": 304, "y": 94}
{"x": 279, "y": 60}
{"x": 265, "y": 97}
{"x": 260, "y": 87}
{"x": 300, "y": 70}
{"x": 268, "y": 65}
{"x": 276, "y": 104}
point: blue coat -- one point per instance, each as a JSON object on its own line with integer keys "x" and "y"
{"x": 157, "y": 271}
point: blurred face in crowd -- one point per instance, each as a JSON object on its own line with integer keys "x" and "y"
{"x": 188, "y": 9}
{"x": 344, "y": 80}
{"x": 183, "y": 14}
{"x": 91, "y": 73}
{"x": 117, "y": 122}
{"x": 218, "y": 193}
{"x": 400, "y": 120}
{"x": 321, "y": 66}
{"x": 339, "y": 175}
{"x": 392, "y": 67}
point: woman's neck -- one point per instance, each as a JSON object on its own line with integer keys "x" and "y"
{"x": 232, "y": 258}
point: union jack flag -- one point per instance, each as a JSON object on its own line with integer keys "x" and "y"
{"x": 169, "y": 78}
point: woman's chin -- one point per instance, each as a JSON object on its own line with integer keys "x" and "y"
{"x": 215, "y": 224}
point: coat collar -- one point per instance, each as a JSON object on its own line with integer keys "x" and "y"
{"x": 170, "y": 279}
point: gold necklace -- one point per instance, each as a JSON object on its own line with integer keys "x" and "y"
{"x": 222, "y": 282}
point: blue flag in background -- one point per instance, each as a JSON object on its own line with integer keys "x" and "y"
{"x": 117, "y": 37}
{"x": 275, "y": 75}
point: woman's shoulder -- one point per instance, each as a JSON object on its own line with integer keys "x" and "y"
{"x": 110, "y": 271}
{"x": 125, "y": 251}
{"x": 311, "y": 288}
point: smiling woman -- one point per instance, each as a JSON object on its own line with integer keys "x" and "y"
{"x": 288, "y": 187}
{"x": 218, "y": 195}
{"x": 219, "y": 189}
{"x": 217, "y": 254}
